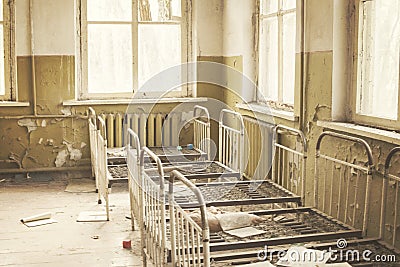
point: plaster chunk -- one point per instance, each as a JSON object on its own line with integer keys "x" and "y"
{"x": 75, "y": 154}
{"x": 66, "y": 111}
{"x": 28, "y": 123}
{"x": 61, "y": 158}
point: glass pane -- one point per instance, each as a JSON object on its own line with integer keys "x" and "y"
{"x": 1, "y": 10}
{"x": 159, "y": 48}
{"x": 158, "y": 10}
{"x": 2, "y": 77}
{"x": 268, "y": 70}
{"x": 289, "y": 55}
{"x": 109, "y": 10}
{"x": 109, "y": 58}
{"x": 289, "y": 4}
{"x": 269, "y": 6}
{"x": 378, "y": 95}
{"x": 176, "y": 8}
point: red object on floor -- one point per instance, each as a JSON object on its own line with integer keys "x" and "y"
{"x": 126, "y": 244}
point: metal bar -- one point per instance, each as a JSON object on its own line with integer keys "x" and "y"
{"x": 395, "y": 214}
{"x": 347, "y": 196}
{"x": 284, "y": 240}
{"x": 249, "y": 201}
{"x": 339, "y": 193}
{"x": 331, "y": 192}
{"x": 355, "y": 198}
{"x": 349, "y": 138}
{"x": 290, "y": 150}
{"x": 358, "y": 167}
{"x": 366, "y": 205}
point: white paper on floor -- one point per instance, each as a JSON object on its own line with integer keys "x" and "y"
{"x": 37, "y": 220}
{"x": 92, "y": 216}
{"x": 245, "y": 232}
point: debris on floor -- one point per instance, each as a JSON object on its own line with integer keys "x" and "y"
{"x": 39, "y": 219}
{"x": 92, "y": 216}
{"x": 127, "y": 244}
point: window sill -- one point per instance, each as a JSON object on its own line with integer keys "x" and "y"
{"x": 257, "y": 108}
{"x": 364, "y": 131}
{"x": 133, "y": 101}
{"x": 14, "y": 104}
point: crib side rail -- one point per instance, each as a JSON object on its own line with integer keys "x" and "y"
{"x": 134, "y": 175}
{"x": 102, "y": 165}
{"x": 153, "y": 212}
{"x": 93, "y": 142}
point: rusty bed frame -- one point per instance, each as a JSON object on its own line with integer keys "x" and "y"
{"x": 104, "y": 163}
{"x": 183, "y": 247}
{"x": 374, "y": 245}
{"x": 148, "y": 204}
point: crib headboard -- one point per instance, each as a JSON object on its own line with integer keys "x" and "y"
{"x": 343, "y": 184}
{"x": 201, "y": 128}
{"x": 231, "y": 140}
{"x": 289, "y": 166}
{"x": 391, "y": 182}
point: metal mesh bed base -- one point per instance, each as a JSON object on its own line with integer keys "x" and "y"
{"x": 240, "y": 193}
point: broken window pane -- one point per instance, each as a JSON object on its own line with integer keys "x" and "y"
{"x": 269, "y": 6}
{"x": 289, "y": 4}
{"x": 268, "y": 70}
{"x": 158, "y": 10}
{"x": 109, "y": 10}
{"x": 159, "y": 49}
{"x": 379, "y": 59}
{"x": 2, "y": 76}
{"x": 109, "y": 58}
{"x": 289, "y": 53}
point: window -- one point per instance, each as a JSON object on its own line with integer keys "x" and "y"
{"x": 377, "y": 94}
{"x": 123, "y": 43}
{"x": 7, "y": 51}
{"x": 277, "y": 39}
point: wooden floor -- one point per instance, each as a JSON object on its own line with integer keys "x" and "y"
{"x": 66, "y": 243}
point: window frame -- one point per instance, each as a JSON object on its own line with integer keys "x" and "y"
{"x": 259, "y": 97}
{"x": 9, "y": 51}
{"x": 358, "y": 118}
{"x": 82, "y": 91}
